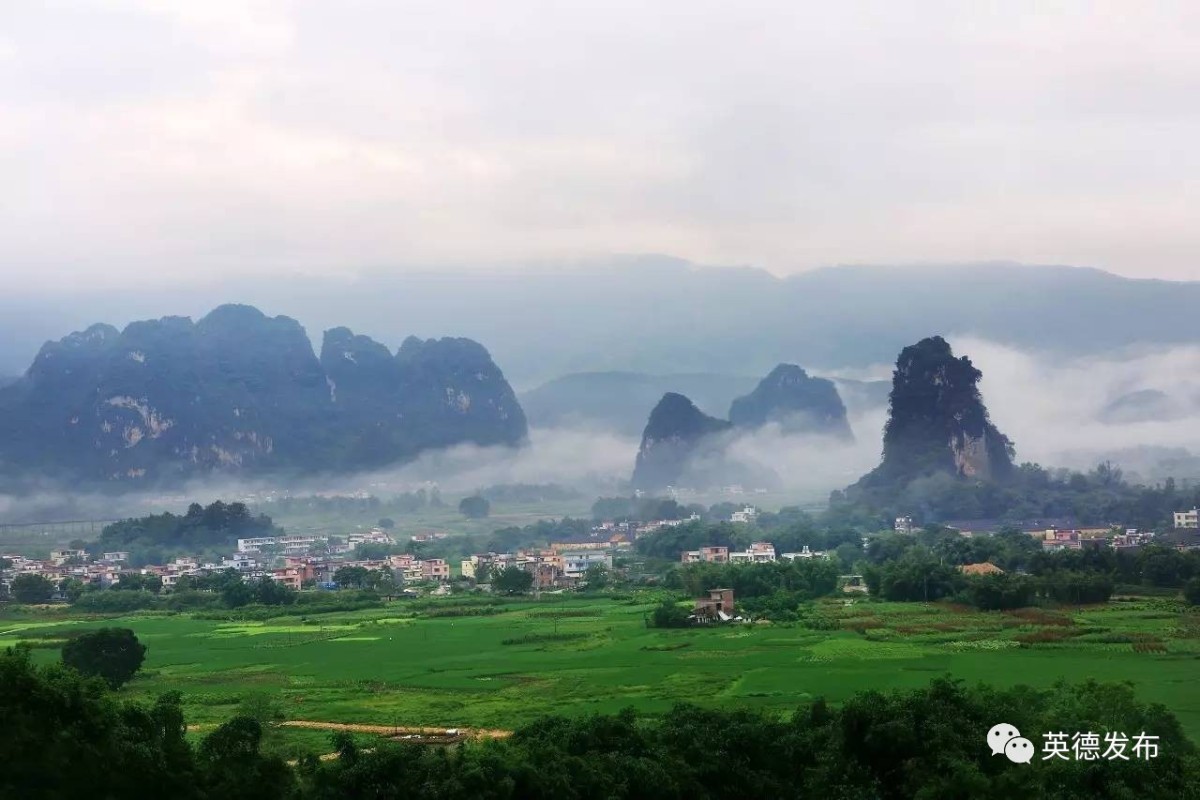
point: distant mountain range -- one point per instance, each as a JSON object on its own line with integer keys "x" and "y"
{"x": 658, "y": 315}
{"x": 241, "y": 392}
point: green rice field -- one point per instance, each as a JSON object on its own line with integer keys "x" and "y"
{"x": 435, "y": 665}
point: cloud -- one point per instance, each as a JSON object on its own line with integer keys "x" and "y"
{"x": 1054, "y": 410}
{"x": 168, "y": 141}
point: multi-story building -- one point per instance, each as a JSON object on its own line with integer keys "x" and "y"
{"x": 1187, "y": 520}
{"x": 707, "y": 555}
{"x": 747, "y": 514}
{"x": 576, "y": 562}
{"x": 375, "y": 536}
{"x": 759, "y": 553}
{"x": 239, "y": 561}
{"x": 718, "y": 606}
{"x": 435, "y": 569}
{"x": 804, "y": 554}
{"x": 904, "y": 525}
{"x": 291, "y": 577}
{"x": 289, "y": 544}
{"x": 60, "y": 557}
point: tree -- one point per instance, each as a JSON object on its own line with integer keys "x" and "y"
{"x": 1191, "y": 591}
{"x": 271, "y": 592}
{"x": 114, "y": 654}
{"x": 234, "y": 767}
{"x": 474, "y": 507}
{"x": 387, "y": 523}
{"x": 351, "y": 577}
{"x": 670, "y": 615}
{"x": 999, "y": 592}
{"x": 237, "y": 594}
{"x": 596, "y": 576}
{"x": 371, "y": 551}
{"x": 31, "y": 588}
{"x": 67, "y": 736}
{"x": 133, "y": 581}
{"x": 71, "y": 588}
{"x": 512, "y": 580}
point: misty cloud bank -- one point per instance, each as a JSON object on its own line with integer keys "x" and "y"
{"x": 1057, "y": 412}
{"x": 1061, "y": 414}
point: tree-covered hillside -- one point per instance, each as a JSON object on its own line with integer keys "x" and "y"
{"x": 154, "y": 538}
{"x": 237, "y": 391}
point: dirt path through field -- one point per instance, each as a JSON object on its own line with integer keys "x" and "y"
{"x": 394, "y": 730}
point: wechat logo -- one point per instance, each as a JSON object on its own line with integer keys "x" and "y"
{"x": 1007, "y": 740}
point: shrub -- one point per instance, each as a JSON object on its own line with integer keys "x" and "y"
{"x": 116, "y": 602}
{"x": 670, "y": 615}
{"x": 1191, "y": 591}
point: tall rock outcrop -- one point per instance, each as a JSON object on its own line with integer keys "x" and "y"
{"x": 430, "y": 394}
{"x": 797, "y": 402}
{"x": 676, "y": 433}
{"x": 239, "y": 391}
{"x": 937, "y": 421}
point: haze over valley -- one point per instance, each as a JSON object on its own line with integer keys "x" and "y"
{"x": 697, "y": 400}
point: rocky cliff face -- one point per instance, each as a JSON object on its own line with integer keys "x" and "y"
{"x": 430, "y": 394}
{"x": 236, "y": 391}
{"x": 676, "y": 433}
{"x": 938, "y": 422}
{"x": 797, "y": 402}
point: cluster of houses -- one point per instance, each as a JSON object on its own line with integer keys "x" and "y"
{"x": 561, "y": 565}
{"x": 1056, "y": 535}
{"x": 255, "y": 558}
{"x": 758, "y": 553}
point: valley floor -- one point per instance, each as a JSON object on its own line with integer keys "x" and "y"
{"x": 459, "y": 664}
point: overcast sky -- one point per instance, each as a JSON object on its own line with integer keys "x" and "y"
{"x": 144, "y": 141}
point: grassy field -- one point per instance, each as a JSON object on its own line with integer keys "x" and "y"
{"x": 399, "y": 666}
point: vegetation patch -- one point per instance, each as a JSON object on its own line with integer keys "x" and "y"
{"x": 546, "y": 638}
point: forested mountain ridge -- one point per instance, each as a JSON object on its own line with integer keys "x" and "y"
{"x": 238, "y": 391}
{"x": 674, "y": 432}
{"x": 796, "y": 401}
{"x": 937, "y": 422}
{"x": 682, "y": 443}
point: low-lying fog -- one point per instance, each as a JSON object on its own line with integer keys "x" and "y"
{"x": 1139, "y": 409}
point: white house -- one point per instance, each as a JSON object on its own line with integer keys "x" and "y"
{"x": 576, "y": 562}
{"x": 804, "y": 554}
{"x": 747, "y": 514}
{"x": 1187, "y": 519}
{"x": 759, "y": 553}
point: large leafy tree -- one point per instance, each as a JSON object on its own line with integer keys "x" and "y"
{"x": 114, "y": 654}
{"x": 474, "y": 507}
{"x": 31, "y": 588}
{"x": 233, "y": 767}
{"x": 65, "y": 735}
{"x": 512, "y": 580}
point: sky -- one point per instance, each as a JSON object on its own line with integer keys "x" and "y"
{"x": 146, "y": 142}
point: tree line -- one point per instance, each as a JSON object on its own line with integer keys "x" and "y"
{"x": 66, "y": 735}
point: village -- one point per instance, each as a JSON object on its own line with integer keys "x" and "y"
{"x": 311, "y": 561}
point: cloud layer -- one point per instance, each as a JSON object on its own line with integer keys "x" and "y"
{"x": 146, "y": 141}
